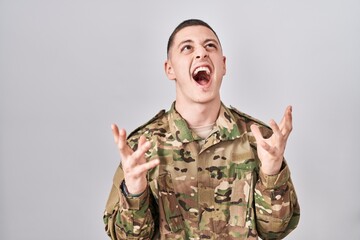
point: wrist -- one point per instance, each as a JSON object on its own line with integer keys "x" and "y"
{"x": 272, "y": 167}
{"x": 272, "y": 170}
{"x": 127, "y": 193}
{"x": 269, "y": 172}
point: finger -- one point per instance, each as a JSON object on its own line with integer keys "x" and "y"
{"x": 141, "y": 150}
{"x": 115, "y": 131}
{"x": 122, "y": 139}
{"x": 279, "y": 139}
{"x": 142, "y": 168}
{"x": 124, "y": 148}
{"x": 271, "y": 150}
{"x": 138, "y": 156}
{"x": 275, "y": 128}
{"x": 286, "y": 116}
{"x": 286, "y": 122}
{"x": 141, "y": 141}
{"x": 256, "y": 131}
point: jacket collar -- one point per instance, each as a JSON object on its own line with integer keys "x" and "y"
{"x": 225, "y": 127}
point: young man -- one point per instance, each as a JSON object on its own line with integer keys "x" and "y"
{"x": 201, "y": 170}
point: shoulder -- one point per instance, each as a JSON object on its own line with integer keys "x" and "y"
{"x": 248, "y": 120}
{"x": 148, "y": 127}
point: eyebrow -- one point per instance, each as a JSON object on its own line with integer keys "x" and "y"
{"x": 191, "y": 41}
{"x": 212, "y": 40}
{"x": 185, "y": 41}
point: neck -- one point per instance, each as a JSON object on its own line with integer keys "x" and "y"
{"x": 199, "y": 114}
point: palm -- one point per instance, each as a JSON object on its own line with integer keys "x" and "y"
{"x": 271, "y": 150}
{"x": 134, "y": 163}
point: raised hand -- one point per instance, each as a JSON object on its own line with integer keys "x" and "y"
{"x": 271, "y": 150}
{"x": 134, "y": 163}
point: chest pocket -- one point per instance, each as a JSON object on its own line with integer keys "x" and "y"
{"x": 234, "y": 195}
{"x": 168, "y": 206}
{"x": 241, "y": 197}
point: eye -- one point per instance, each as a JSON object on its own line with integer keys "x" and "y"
{"x": 186, "y": 48}
{"x": 211, "y": 46}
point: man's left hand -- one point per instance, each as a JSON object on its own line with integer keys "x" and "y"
{"x": 271, "y": 150}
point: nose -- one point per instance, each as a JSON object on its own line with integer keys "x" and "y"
{"x": 201, "y": 53}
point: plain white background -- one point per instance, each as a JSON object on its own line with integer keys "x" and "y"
{"x": 68, "y": 69}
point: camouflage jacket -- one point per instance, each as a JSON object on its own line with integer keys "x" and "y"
{"x": 203, "y": 189}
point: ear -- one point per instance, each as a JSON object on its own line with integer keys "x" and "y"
{"x": 224, "y": 61}
{"x": 169, "y": 70}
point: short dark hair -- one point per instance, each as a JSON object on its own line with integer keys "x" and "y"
{"x": 188, "y": 23}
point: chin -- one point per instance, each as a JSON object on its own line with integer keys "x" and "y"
{"x": 206, "y": 99}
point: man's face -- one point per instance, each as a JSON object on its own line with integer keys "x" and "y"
{"x": 197, "y": 64}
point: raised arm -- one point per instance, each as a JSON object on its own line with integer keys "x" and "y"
{"x": 133, "y": 163}
{"x": 276, "y": 205}
{"x": 128, "y": 213}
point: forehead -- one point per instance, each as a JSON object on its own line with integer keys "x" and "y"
{"x": 194, "y": 33}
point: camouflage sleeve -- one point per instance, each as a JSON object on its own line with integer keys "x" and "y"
{"x": 276, "y": 205}
{"x": 127, "y": 217}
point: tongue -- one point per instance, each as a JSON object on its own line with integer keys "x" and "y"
{"x": 202, "y": 78}
{"x": 202, "y": 81}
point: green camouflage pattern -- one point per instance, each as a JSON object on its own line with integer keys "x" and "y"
{"x": 204, "y": 189}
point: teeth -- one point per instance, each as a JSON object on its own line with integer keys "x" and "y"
{"x": 199, "y": 69}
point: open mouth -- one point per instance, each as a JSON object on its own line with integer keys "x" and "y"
{"x": 201, "y": 75}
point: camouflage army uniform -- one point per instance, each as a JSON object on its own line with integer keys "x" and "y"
{"x": 203, "y": 189}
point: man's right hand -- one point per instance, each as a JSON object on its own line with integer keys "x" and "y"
{"x": 134, "y": 164}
